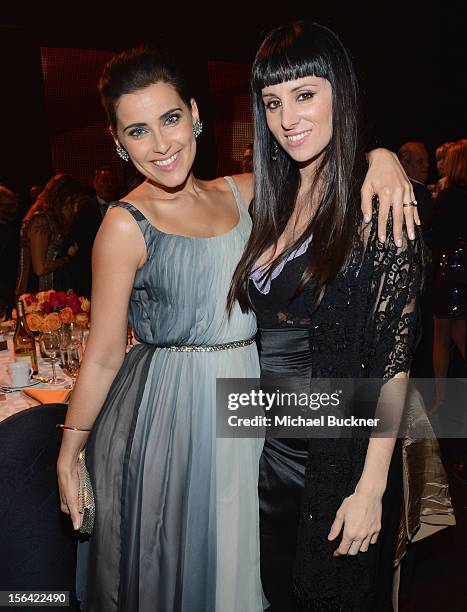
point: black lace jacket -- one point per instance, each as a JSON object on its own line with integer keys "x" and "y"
{"x": 365, "y": 325}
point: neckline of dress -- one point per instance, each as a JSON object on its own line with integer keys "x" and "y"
{"x": 224, "y": 235}
{"x": 231, "y": 230}
{"x": 264, "y": 286}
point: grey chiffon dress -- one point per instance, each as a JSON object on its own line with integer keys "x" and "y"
{"x": 176, "y": 509}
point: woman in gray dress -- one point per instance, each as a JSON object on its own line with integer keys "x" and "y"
{"x": 176, "y": 510}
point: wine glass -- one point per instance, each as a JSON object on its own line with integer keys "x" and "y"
{"x": 50, "y": 345}
{"x": 73, "y": 358}
{"x": 71, "y": 333}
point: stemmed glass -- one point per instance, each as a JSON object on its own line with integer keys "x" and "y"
{"x": 50, "y": 345}
{"x": 73, "y": 360}
{"x": 71, "y": 348}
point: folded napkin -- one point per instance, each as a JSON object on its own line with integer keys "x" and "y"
{"x": 48, "y": 396}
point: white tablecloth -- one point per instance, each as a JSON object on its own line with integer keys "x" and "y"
{"x": 10, "y": 403}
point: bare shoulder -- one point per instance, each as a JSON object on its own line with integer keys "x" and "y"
{"x": 138, "y": 195}
{"x": 120, "y": 228}
{"x": 39, "y": 224}
{"x": 244, "y": 183}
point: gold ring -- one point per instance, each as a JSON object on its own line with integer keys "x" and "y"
{"x": 413, "y": 203}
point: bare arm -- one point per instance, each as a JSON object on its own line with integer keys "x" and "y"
{"x": 113, "y": 276}
{"x": 39, "y": 237}
{"x": 386, "y": 178}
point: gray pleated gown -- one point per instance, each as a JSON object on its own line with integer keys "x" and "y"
{"x": 176, "y": 510}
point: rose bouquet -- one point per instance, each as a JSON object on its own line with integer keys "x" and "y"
{"x": 49, "y": 310}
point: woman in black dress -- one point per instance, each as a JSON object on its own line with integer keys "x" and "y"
{"x": 332, "y": 300}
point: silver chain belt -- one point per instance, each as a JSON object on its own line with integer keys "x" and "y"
{"x": 206, "y": 348}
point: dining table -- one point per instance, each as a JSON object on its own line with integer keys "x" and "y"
{"x": 12, "y": 402}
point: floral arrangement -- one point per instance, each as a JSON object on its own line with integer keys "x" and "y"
{"x": 49, "y": 310}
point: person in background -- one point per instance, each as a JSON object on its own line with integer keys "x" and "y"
{"x": 10, "y": 224}
{"x": 247, "y": 158}
{"x": 440, "y": 157}
{"x": 450, "y": 260}
{"x": 415, "y": 161}
{"x": 107, "y": 189}
{"x": 46, "y": 250}
{"x": 34, "y": 192}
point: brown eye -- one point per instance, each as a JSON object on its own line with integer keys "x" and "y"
{"x": 272, "y": 104}
{"x": 306, "y": 95}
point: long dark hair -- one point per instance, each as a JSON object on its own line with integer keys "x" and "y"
{"x": 53, "y": 199}
{"x": 291, "y": 52}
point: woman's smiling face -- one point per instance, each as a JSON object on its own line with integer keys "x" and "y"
{"x": 155, "y": 126}
{"x": 299, "y": 115}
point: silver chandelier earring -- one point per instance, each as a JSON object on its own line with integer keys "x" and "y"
{"x": 275, "y": 150}
{"x": 121, "y": 152}
{"x": 197, "y": 128}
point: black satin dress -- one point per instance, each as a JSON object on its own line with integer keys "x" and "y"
{"x": 284, "y": 324}
{"x": 284, "y": 353}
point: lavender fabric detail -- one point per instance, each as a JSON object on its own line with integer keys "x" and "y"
{"x": 265, "y": 286}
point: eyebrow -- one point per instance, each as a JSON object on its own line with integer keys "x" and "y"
{"x": 161, "y": 118}
{"x": 271, "y": 95}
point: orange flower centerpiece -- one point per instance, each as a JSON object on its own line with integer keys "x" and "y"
{"x": 49, "y": 310}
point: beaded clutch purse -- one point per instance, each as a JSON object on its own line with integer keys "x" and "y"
{"x": 86, "y": 503}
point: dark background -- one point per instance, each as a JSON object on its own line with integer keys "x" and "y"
{"x": 411, "y": 59}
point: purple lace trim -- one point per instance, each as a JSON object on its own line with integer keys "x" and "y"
{"x": 265, "y": 286}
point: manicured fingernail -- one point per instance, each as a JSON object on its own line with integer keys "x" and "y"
{"x": 399, "y": 242}
{"x": 382, "y": 238}
{"x": 412, "y": 236}
{"x": 75, "y": 526}
{"x": 367, "y": 217}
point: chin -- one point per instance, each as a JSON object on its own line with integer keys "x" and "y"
{"x": 172, "y": 180}
{"x": 303, "y": 157}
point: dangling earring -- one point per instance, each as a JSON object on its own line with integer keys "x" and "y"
{"x": 275, "y": 150}
{"x": 121, "y": 152}
{"x": 197, "y": 128}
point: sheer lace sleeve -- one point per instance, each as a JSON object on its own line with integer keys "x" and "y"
{"x": 394, "y": 326}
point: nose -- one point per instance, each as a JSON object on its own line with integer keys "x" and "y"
{"x": 289, "y": 117}
{"x": 161, "y": 145}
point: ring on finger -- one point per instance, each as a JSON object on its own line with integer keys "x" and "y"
{"x": 408, "y": 204}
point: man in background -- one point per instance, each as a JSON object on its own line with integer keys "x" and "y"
{"x": 107, "y": 189}
{"x": 415, "y": 161}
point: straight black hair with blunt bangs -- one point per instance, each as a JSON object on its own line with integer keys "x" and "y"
{"x": 290, "y": 52}
{"x": 136, "y": 69}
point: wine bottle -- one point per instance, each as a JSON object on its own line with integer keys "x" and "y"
{"x": 24, "y": 343}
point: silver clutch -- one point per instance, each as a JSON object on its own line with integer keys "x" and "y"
{"x": 86, "y": 505}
